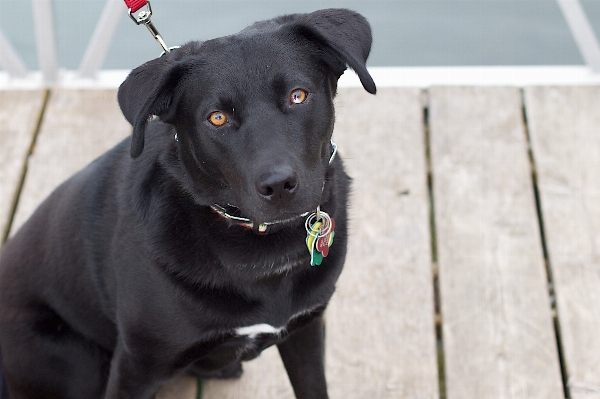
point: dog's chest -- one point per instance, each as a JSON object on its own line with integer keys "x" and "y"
{"x": 246, "y": 342}
{"x": 251, "y": 340}
{"x": 268, "y": 330}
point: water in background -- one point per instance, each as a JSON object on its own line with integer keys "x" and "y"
{"x": 406, "y": 32}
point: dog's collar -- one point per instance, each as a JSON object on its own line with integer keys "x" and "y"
{"x": 257, "y": 228}
{"x": 261, "y": 228}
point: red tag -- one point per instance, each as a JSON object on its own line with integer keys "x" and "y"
{"x": 323, "y": 242}
{"x": 323, "y": 245}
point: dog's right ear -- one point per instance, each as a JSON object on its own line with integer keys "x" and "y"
{"x": 342, "y": 33}
{"x": 150, "y": 89}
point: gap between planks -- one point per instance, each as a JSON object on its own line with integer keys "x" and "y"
{"x": 542, "y": 229}
{"x": 433, "y": 239}
{"x": 383, "y": 309}
{"x": 492, "y": 280}
{"x": 23, "y": 172}
{"x": 563, "y": 123}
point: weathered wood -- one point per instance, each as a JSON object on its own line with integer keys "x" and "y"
{"x": 564, "y": 125}
{"x": 79, "y": 125}
{"x": 185, "y": 387}
{"x": 19, "y": 115}
{"x": 380, "y": 324}
{"x": 264, "y": 377}
{"x": 497, "y": 327}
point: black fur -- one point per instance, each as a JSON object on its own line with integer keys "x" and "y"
{"x": 125, "y": 277}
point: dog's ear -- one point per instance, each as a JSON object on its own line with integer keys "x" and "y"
{"x": 346, "y": 34}
{"x": 150, "y": 89}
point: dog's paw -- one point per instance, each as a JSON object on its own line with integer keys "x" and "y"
{"x": 232, "y": 371}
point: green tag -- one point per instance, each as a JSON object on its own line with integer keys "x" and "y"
{"x": 316, "y": 258}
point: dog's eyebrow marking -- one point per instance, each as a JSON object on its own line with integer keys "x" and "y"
{"x": 253, "y": 331}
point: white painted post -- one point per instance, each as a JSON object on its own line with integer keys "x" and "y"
{"x": 102, "y": 38}
{"x": 10, "y": 60}
{"x": 582, "y": 32}
{"x": 43, "y": 19}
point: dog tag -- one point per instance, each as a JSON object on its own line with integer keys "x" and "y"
{"x": 311, "y": 239}
{"x": 325, "y": 239}
{"x": 319, "y": 237}
{"x": 316, "y": 258}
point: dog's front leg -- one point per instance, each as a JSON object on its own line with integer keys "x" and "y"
{"x": 302, "y": 355}
{"x": 131, "y": 376}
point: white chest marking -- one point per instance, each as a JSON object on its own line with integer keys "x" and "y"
{"x": 263, "y": 328}
{"x": 253, "y": 331}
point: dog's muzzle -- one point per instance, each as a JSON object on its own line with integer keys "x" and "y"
{"x": 233, "y": 214}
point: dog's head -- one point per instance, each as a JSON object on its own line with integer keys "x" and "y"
{"x": 254, "y": 111}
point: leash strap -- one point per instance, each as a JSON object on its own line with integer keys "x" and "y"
{"x": 135, "y": 5}
{"x": 144, "y": 17}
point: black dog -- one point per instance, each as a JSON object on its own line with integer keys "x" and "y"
{"x": 191, "y": 254}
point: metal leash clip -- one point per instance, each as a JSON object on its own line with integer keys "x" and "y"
{"x": 144, "y": 18}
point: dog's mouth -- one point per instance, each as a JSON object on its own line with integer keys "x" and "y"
{"x": 234, "y": 215}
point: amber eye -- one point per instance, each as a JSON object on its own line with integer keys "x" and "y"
{"x": 298, "y": 96}
{"x": 217, "y": 118}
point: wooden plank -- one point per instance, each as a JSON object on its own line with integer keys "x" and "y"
{"x": 380, "y": 324}
{"x": 79, "y": 125}
{"x": 264, "y": 377}
{"x": 564, "y": 125}
{"x": 185, "y": 387}
{"x": 19, "y": 115}
{"x": 497, "y": 327}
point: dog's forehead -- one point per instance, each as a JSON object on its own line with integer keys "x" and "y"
{"x": 254, "y": 59}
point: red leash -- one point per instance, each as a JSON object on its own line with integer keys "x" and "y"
{"x": 135, "y": 5}
{"x": 144, "y": 18}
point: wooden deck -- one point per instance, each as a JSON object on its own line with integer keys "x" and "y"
{"x": 474, "y": 264}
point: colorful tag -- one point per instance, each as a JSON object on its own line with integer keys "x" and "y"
{"x": 325, "y": 240}
{"x": 319, "y": 237}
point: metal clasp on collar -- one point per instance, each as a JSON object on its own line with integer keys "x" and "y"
{"x": 333, "y": 151}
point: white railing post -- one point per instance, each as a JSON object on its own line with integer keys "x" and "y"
{"x": 582, "y": 32}
{"x": 10, "y": 60}
{"x": 102, "y": 38}
{"x": 43, "y": 19}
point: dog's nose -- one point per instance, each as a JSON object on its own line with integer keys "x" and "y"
{"x": 280, "y": 182}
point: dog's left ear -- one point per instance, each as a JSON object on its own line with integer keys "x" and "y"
{"x": 346, "y": 34}
{"x": 150, "y": 89}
